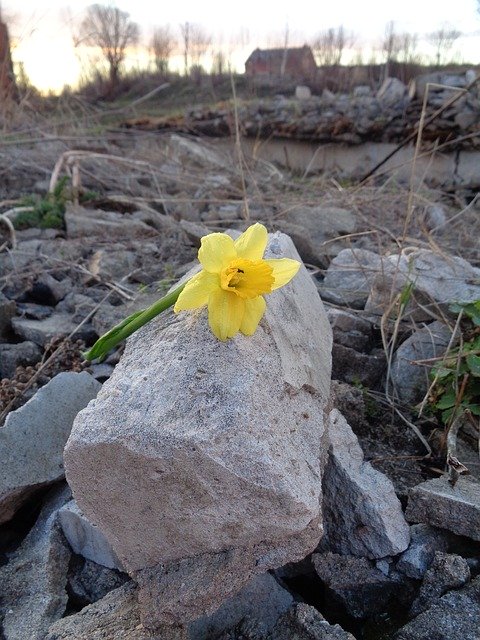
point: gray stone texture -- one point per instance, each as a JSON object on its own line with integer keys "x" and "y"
{"x": 85, "y": 538}
{"x": 448, "y": 571}
{"x": 33, "y": 437}
{"x": 58, "y": 325}
{"x": 350, "y": 277}
{"x": 410, "y": 380}
{"x": 362, "y": 514}
{"x": 360, "y": 588}
{"x": 456, "y": 509}
{"x": 14, "y": 355}
{"x": 455, "y": 615}
{"x": 437, "y": 283}
{"x": 303, "y": 622}
{"x": 223, "y": 480}
{"x": 424, "y": 542}
{"x": 33, "y": 582}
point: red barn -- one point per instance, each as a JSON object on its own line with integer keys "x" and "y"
{"x": 295, "y": 63}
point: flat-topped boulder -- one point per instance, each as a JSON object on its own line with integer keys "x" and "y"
{"x": 201, "y": 461}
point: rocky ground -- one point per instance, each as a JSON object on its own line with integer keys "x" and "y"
{"x": 150, "y": 200}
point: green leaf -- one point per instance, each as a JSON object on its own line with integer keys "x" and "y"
{"x": 447, "y": 400}
{"x": 473, "y": 363}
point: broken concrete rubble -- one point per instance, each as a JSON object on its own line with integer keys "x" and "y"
{"x": 456, "y": 509}
{"x": 191, "y": 467}
{"x": 362, "y": 514}
{"x": 33, "y": 437}
{"x": 33, "y": 582}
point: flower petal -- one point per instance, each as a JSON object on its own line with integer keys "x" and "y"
{"x": 283, "y": 270}
{"x": 216, "y": 252}
{"x": 251, "y": 244}
{"x": 197, "y": 291}
{"x": 225, "y": 313}
{"x": 254, "y": 310}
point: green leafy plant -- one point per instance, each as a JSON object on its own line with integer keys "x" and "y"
{"x": 457, "y": 376}
{"x": 47, "y": 211}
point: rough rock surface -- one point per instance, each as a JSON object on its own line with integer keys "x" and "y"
{"x": 223, "y": 481}
{"x": 33, "y": 437}
{"x": 455, "y": 615}
{"x": 360, "y": 588}
{"x": 115, "y": 617}
{"x": 436, "y": 283}
{"x": 33, "y": 582}
{"x": 303, "y": 622}
{"x": 425, "y": 541}
{"x": 85, "y": 538}
{"x": 456, "y": 508}
{"x": 89, "y": 582}
{"x": 350, "y": 277}
{"x": 410, "y": 380}
{"x": 14, "y": 355}
{"x": 448, "y": 571}
{"x": 362, "y": 514}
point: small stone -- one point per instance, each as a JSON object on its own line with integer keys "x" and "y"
{"x": 303, "y": 622}
{"x": 7, "y": 311}
{"x": 362, "y": 514}
{"x": 53, "y": 290}
{"x": 354, "y": 583}
{"x": 456, "y": 509}
{"x": 57, "y": 325}
{"x": 447, "y": 572}
{"x": 81, "y": 222}
{"x": 114, "y": 617}
{"x": 89, "y": 582}
{"x": 349, "y": 330}
{"x": 85, "y": 538}
{"x": 33, "y": 437}
{"x": 424, "y": 542}
{"x": 410, "y": 380}
{"x": 15, "y": 355}
{"x": 349, "y": 365}
{"x": 350, "y": 277}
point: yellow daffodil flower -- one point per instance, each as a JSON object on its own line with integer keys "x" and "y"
{"x": 233, "y": 281}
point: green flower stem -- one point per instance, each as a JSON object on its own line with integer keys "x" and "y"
{"x": 128, "y": 326}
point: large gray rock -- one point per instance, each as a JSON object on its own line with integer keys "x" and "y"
{"x": 455, "y": 615}
{"x": 411, "y": 380}
{"x": 362, "y": 514}
{"x": 85, "y": 538}
{"x": 456, "y": 508}
{"x": 437, "y": 281}
{"x": 215, "y": 451}
{"x": 33, "y": 438}
{"x": 33, "y": 583}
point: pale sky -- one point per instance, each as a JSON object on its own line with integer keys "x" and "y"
{"x": 42, "y": 34}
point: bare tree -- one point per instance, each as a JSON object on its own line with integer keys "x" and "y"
{"x": 112, "y": 31}
{"x": 185, "y": 29}
{"x": 407, "y": 49}
{"x": 200, "y": 42}
{"x": 329, "y": 46}
{"x": 162, "y": 44}
{"x": 443, "y": 40}
{"x": 391, "y": 43}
